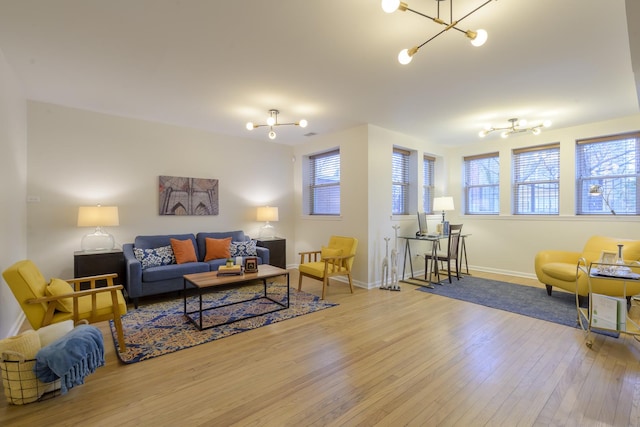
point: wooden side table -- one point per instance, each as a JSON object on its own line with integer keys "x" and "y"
{"x": 93, "y": 263}
{"x": 277, "y": 250}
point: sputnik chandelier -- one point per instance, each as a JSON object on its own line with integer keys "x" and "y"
{"x": 478, "y": 37}
{"x": 516, "y": 126}
{"x": 272, "y": 122}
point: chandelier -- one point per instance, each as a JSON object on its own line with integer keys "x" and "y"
{"x": 517, "y": 126}
{"x": 272, "y": 122}
{"x": 477, "y": 37}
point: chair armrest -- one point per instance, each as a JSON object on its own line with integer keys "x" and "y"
{"x": 133, "y": 267}
{"x": 76, "y": 294}
{"x": 264, "y": 254}
{"x": 114, "y": 289}
{"x": 309, "y": 256}
{"x": 336, "y": 262}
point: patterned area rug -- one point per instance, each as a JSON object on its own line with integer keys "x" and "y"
{"x": 161, "y": 327}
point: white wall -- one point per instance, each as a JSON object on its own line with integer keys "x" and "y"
{"x": 313, "y": 232}
{"x": 13, "y": 184}
{"x": 77, "y": 157}
{"x": 508, "y": 243}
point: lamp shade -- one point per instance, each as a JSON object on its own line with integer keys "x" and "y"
{"x": 267, "y": 213}
{"x": 443, "y": 203}
{"x": 98, "y": 216}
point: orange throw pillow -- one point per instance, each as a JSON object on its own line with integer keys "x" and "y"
{"x": 217, "y": 248}
{"x": 183, "y": 250}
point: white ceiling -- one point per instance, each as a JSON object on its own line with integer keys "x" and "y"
{"x": 214, "y": 65}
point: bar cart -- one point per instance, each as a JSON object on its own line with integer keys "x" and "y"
{"x": 616, "y": 306}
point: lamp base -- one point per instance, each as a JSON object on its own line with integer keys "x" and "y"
{"x": 99, "y": 240}
{"x": 267, "y": 231}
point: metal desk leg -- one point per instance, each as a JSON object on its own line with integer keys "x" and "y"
{"x": 463, "y": 250}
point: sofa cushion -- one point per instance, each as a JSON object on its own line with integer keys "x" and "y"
{"x": 243, "y": 249}
{"x": 236, "y": 236}
{"x": 184, "y": 251}
{"x": 155, "y": 257}
{"x": 173, "y": 271}
{"x": 217, "y": 248}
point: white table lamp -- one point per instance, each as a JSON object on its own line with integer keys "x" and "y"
{"x": 98, "y": 217}
{"x": 443, "y": 204}
{"x": 267, "y": 214}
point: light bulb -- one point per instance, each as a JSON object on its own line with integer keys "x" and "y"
{"x": 303, "y": 123}
{"x": 249, "y": 126}
{"x": 480, "y": 38}
{"x": 505, "y": 134}
{"x": 483, "y": 133}
{"x": 522, "y": 122}
{"x": 390, "y": 6}
{"x": 272, "y": 135}
{"x": 404, "y": 57}
{"x": 271, "y": 121}
{"x": 536, "y": 131}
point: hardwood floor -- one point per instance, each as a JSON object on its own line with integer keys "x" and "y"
{"x": 379, "y": 358}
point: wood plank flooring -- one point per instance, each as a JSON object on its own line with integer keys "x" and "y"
{"x": 379, "y": 358}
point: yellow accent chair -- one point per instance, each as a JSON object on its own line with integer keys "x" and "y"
{"x": 336, "y": 259}
{"x": 560, "y": 268}
{"x": 59, "y": 300}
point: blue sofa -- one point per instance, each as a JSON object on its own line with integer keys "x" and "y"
{"x": 168, "y": 278}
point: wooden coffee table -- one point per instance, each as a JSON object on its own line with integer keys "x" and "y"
{"x": 210, "y": 280}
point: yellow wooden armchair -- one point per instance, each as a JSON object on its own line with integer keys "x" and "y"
{"x": 46, "y": 303}
{"x": 336, "y": 259}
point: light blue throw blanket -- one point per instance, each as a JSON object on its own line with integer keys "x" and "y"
{"x": 71, "y": 358}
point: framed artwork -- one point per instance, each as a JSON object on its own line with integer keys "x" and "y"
{"x": 188, "y": 196}
{"x": 250, "y": 264}
{"x": 608, "y": 257}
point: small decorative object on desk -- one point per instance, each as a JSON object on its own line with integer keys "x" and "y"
{"x": 233, "y": 270}
{"x": 250, "y": 264}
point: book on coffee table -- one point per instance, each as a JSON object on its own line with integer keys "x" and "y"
{"x": 234, "y": 270}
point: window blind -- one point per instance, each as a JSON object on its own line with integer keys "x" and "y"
{"x": 536, "y": 180}
{"x": 428, "y": 185}
{"x": 481, "y": 186}
{"x": 400, "y": 181}
{"x": 613, "y": 163}
{"x": 322, "y": 184}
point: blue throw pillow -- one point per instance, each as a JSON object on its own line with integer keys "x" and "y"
{"x": 155, "y": 257}
{"x": 243, "y": 249}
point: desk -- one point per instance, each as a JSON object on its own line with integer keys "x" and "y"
{"x": 435, "y": 240}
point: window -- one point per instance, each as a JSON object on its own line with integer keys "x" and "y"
{"x": 482, "y": 184}
{"x": 428, "y": 187}
{"x": 613, "y": 164}
{"x": 400, "y": 182}
{"x": 536, "y": 180}
{"x": 322, "y": 184}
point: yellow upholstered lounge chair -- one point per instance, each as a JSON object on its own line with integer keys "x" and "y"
{"x": 334, "y": 260}
{"x": 559, "y": 268}
{"x": 93, "y": 304}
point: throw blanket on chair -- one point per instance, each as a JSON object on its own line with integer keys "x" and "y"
{"x": 71, "y": 358}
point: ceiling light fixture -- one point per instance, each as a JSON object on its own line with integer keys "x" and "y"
{"x": 272, "y": 122}
{"x": 477, "y": 37}
{"x": 517, "y": 126}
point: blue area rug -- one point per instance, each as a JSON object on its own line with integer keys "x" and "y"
{"x": 530, "y": 301}
{"x": 159, "y": 328}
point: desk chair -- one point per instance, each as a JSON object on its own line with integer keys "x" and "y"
{"x": 452, "y": 253}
